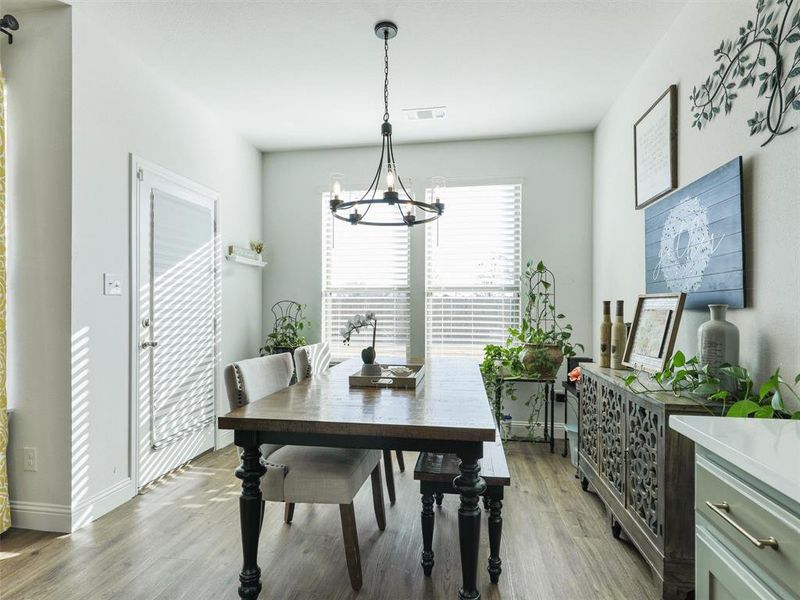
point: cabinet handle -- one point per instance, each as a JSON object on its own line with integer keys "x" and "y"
{"x": 723, "y": 508}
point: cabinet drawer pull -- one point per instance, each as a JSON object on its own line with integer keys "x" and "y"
{"x": 723, "y": 508}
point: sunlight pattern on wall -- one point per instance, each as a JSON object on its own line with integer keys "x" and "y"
{"x": 5, "y": 506}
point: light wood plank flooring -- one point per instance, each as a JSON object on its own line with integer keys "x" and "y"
{"x": 180, "y": 540}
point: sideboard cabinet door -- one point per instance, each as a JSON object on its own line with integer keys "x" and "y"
{"x": 645, "y": 449}
{"x": 611, "y": 421}
{"x": 588, "y": 431}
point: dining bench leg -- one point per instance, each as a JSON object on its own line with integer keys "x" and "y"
{"x": 250, "y": 513}
{"x": 427, "y": 534}
{"x": 495, "y": 532}
{"x": 470, "y": 486}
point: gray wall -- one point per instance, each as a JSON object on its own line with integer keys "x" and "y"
{"x": 38, "y": 72}
{"x": 770, "y": 328}
{"x": 556, "y": 174}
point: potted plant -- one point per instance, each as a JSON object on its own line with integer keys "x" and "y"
{"x": 544, "y": 337}
{"x": 287, "y": 334}
{"x": 354, "y": 325}
{"x": 732, "y": 392}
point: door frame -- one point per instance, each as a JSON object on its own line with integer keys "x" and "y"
{"x": 137, "y": 166}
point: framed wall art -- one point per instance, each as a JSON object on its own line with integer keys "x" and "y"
{"x": 694, "y": 240}
{"x": 653, "y": 331}
{"x": 655, "y": 149}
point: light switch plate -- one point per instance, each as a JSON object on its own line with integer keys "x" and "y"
{"x": 112, "y": 284}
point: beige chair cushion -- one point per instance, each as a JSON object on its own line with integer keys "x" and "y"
{"x": 254, "y": 378}
{"x": 313, "y": 359}
{"x": 317, "y": 475}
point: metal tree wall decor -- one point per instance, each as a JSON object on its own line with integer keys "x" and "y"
{"x": 767, "y": 53}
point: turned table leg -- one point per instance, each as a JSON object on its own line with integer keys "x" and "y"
{"x": 470, "y": 485}
{"x": 427, "y": 534}
{"x": 250, "y": 514}
{"x": 495, "y": 531}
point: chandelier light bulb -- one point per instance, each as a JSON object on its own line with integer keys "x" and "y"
{"x": 337, "y": 189}
{"x": 390, "y": 179}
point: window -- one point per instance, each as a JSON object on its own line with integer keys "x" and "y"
{"x": 472, "y": 287}
{"x": 365, "y": 269}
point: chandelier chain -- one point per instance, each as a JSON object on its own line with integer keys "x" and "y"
{"x": 385, "y": 76}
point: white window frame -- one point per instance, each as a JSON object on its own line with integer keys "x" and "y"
{"x": 433, "y": 293}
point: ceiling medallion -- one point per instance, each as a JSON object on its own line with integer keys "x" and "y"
{"x": 387, "y": 187}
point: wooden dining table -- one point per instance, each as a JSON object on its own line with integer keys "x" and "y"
{"x": 447, "y": 412}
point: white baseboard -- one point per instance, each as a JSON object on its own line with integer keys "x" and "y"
{"x": 41, "y": 516}
{"x": 519, "y": 429}
{"x": 90, "y": 509}
{"x": 224, "y": 438}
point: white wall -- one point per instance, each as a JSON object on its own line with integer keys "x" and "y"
{"x": 770, "y": 327}
{"x": 37, "y": 68}
{"x": 556, "y": 215}
{"x": 121, "y": 107}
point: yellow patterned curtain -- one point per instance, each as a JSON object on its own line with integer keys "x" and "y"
{"x": 5, "y": 505}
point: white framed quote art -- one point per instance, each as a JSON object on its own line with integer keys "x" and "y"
{"x": 655, "y": 150}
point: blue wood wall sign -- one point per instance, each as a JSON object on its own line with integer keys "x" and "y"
{"x": 694, "y": 240}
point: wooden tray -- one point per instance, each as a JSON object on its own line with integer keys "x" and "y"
{"x": 387, "y": 379}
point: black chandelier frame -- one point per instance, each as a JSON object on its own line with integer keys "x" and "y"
{"x": 392, "y": 196}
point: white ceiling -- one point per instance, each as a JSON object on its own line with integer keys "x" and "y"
{"x": 292, "y": 74}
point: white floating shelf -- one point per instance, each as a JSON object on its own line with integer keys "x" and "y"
{"x": 246, "y": 261}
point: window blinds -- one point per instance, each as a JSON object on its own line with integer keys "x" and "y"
{"x": 473, "y": 261}
{"x": 365, "y": 269}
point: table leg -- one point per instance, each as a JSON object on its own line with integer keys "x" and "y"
{"x": 552, "y": 418}
{"x": 470, "y": 485}
{"x": 566, "y": 416}
{"x": 250, "y": 511}
{"x": 546, "y": 410}
{"x": 495, "y": 531}
{"x": 427, "y": 534}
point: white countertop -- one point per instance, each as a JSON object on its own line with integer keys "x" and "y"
{"x": 766, "y": 449}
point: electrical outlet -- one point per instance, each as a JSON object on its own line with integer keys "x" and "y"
{"x": 30, "y": 460}
{"x": 112, "y": 284}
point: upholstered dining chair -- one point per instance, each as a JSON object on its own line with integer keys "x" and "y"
{"x": 315, "y": 358}
{"x": 304, "y": 474}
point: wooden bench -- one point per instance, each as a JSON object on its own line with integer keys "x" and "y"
{"x": 436, "y": 472}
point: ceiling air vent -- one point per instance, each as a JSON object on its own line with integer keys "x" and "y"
{"x": 424, "y": 114}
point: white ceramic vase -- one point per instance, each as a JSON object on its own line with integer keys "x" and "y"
{"x": 718, "y": 340}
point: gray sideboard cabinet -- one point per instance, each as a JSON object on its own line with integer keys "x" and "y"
{"x": 642, "y": 471}
{"x": 747, "y": 507}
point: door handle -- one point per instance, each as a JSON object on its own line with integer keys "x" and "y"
{"x": 146, "y": 345}
{"x": 723, "y": 508}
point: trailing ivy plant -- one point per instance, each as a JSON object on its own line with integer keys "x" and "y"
{"x": 764, "y": 53}
{"x": 734, "y": 388}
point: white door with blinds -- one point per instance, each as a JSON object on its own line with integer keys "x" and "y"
{"x": 178, "y": 302}
{"x": 365, "y": 269}
{"x": 473, "y": 261}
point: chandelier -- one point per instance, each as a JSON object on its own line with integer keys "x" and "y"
{"x": 410, "y": 211}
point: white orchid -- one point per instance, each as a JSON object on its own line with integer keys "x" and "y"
{"x": 356, "y": 322}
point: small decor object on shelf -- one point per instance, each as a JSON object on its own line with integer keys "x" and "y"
{"x": 766, "y": 52}
{"x": 288, "y": 330}
{"x": 655, "y": 150}
{"x": 653, "y": 332}
{"x": 245, "y": 256}
{"x": 605, "y": 336}
{"x": 718, "y": 340}
{"x": 368, "y": 355}
{"x": 619, "y": 335}
{"x": 257, "y": 247}
{"x": 694, "y": 240}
